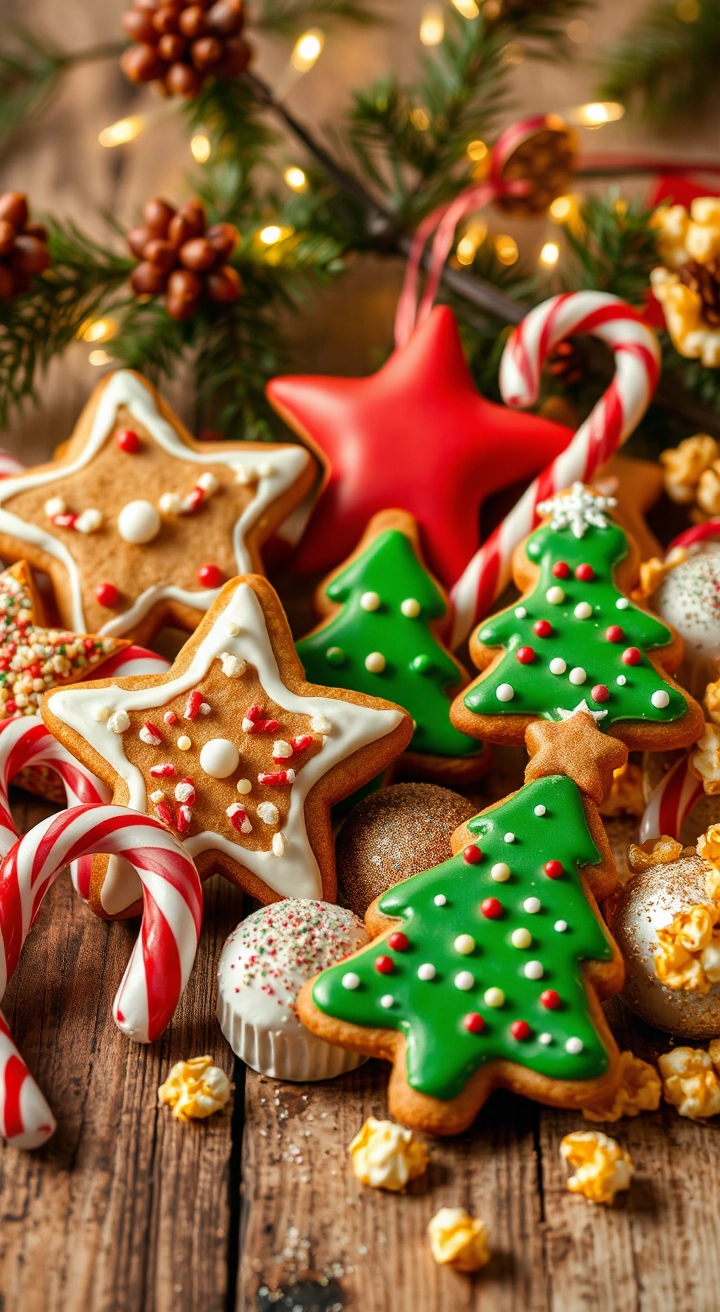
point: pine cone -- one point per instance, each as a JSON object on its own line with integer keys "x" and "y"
{"x": 23, "y": 246}
{"x": 180, "y": 43}
{"x": 180, "y": 256}
{"x": 705, "y": 280}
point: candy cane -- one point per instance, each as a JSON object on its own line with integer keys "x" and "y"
{"x": 619, "y": 410}
{"x": 9, "y": 465}
{"x": 132, "y": 660}
{"x": 161, "y": 959}
{"x": 671, "y": 802}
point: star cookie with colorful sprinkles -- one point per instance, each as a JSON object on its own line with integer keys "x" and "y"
{"x": 489, "y": 969}
{"x": 138, "y": 524}
{"x": 574, "y": 640}
{"x": 233, "y": 750}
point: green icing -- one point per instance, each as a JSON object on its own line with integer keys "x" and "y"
{"x": 441, "y": 1053}
{"x": 419, "y": 673}
{"x": 580, "y": 642}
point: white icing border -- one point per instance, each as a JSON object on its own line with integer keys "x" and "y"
{"x": 296, "y": 874}
{"x": 124, "y": 388}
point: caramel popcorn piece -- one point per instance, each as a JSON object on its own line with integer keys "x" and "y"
{"x": 666, "y": 849}
{"x": 685, "y": 464}
{"x": 714, "y": 1053}
{"x": 712, "y": 701}
{"x": 708, "y": 846}
{"x": 705, "y": 759}
{"x": 458, "y": 1240}
{"x": 681, "y": 947}
{"x": 708, "y": 490}
{"x": 654, "y": 570}
{"x": 688, "y": 284}
{"x": 690, "y": 1082}
{"x": 601, "y": 1168}
{"x": 195, "y": 1089}
{"x": 626, "y": 792}
{"x": 386, "y": 1156}
{"x": 640, "y": 1090}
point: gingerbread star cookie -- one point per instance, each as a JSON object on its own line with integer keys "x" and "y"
{"x": 138, "y": 524}
{"x": 233, "y": 750}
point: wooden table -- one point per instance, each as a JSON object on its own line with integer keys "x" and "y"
{"x": 127, "y": 1210}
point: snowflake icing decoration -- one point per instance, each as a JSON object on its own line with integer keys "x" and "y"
{"x": 577, "y": 509}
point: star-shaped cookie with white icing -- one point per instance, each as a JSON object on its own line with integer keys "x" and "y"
{"x": 233, "y": 750}
{"x": 138, "y": 524}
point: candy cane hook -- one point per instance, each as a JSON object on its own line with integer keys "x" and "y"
{"x": 162, "y": 957}
{"x": 671, "y": 801}
{"x": 617, "y": 413}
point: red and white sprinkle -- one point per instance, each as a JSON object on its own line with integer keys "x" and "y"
{"x": 276, "y": 778}
{"x": 237, "y": 815}
{"x": 150, "y": 734}
{"x": 165, "y": 771}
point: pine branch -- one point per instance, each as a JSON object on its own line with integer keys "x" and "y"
{"x": 665, "y": 66}
{"x": 289, "y": 17}
{"x": 31, "y": 72}
{"x": 613, "y": 249}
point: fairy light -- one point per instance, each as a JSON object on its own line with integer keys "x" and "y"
{"x": 512, "y": 53}
{"x": 550, "y": 254}
{"x": 420, "y": 119}
{"x": 99, "y": 358}
{"x": 307, "y": 50}
{"x": 467, "y": 247}
{"x": 126, "y": 129}
{"x": 295, "y": 177}
{"x": 432, "y": 25}
{"x": 579, "y": 31}
{"x": 467, "y": 8}
{"x": 506, "y": 248}
{"x": 561, "y": 208}
{"x": 97, "y": 330}
{"x": 200, "y": 147}
{"x": 270, "y": 234}
{"x": 477, "y": 150}
{"x": 596, "y": 114}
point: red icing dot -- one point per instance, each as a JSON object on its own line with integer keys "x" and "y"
{"x": 384, "y": 965}
{"x": 399, "y": 942}
{"x": 631, "y": 656}
{"x": 211, "y": 576}
{"x": 561, "y": 569}
{"x": 520, "y": 1029}
{"x": 525, "y": 655}
{"x": 106, "y": 594}
{"x": 554, "y": 869}
{"x": 550, "y": 999}
{"x": 585, "y": 573}
{"x": 543, "y": 628}
{"x": 599, "y": 693}
{"x": 128, "y": 441}
{"x": 614, "y": 633}
{"x": 473, "y": 1023}
{"x": 472, "y": 854}
{"x": 492, "y": 908}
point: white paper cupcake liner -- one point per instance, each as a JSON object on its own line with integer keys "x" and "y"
{"x": 293, "y": 1054}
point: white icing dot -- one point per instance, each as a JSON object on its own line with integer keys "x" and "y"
{"x": 410, "y": 608}
{"x": 387, "y": 1000}
{"x": 139, "y": 522}
{"x": 244, "y": 786}
{"x": 119, "y": 721}
{"x": 440, "y": 900}
{"x": 184, "y": 743}
{"x": 426, "y": 972}
{"x": 583, "y": 610}
{"x": 464, "y": 980}
{"x": 560, "y": 926}
{"x": 509, "y": 837}
{"x": 660, "y": 699}
{"x": 375, "y": 662}
{"x": 494, "y": 997}
{"x": 370, "y": 600}
{"x": 232, "y": 629}
{"x": 555, "y": 596}
{"x": 350, "y": 980}
{"x": 521, "y": 938}
{"x": 532, "y": 905}
{"x": 622, "y": 603}
{"x": 545, "y": 1038}
{"x": 500, "y": 872}
{"x": 219, "y": 758}
{"x": 55, "y": 506}
{"x": 320, "y": 724}
{"x": 520, "y": 612}
{"x": 540, "y": 809}
{"x": 557, "y": 665}
{"x": 577, "y": 675}
{"x": 574, "y": 1046}
{"x": 464, "y": 944}
{"x": 622, "y": 680}
{"x": 268, "y": 813}
{"x": 505, "y": 692}
{"x": 101, "y": 714}
{"x": 534, "y": 970}
{"x": 278, "y": 844}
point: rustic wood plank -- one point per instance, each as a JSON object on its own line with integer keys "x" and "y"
{"x": 126, "y": 1208}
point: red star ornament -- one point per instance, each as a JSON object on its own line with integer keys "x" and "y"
{"x": 416, "y": 436}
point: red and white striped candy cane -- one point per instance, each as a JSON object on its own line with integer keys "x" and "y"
{"x": 132, "y": 660}
{"x": 162, "y": 957}
{"x": 671, "y": 801}
{"x": 25, "y": 1118}
{"x": 617, "y": 413}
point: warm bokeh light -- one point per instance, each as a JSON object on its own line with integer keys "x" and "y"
{"x": 200, "y": 147}
{"x": 99, "y": 358}
{"x": 432, "y": 25}
{"x": 420, "y": 119}
{"x": 578, "y": 31}
{"x": 550, "y": 254}
{"x": 467, "y": 246}
{"x": 307, "y": 50}
{"x": 596, "y": 113}
{"x": 295, "y": 178}
{"x": 506, "y": 248}
{"x": 270, "y": 235}
{"x": 561, "y": 208}
{"x": 97, "y": 330}
{"x": 688, "y": 11}
{"x": 126, "y": 129}
{"x": 477, "y": 150}
{"x": 467, "y": 8}
{"x": 512, "y": 53}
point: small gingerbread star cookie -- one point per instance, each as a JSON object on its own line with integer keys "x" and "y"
{"x": 136, "y": 523}
{"x": 233, "y": 750}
